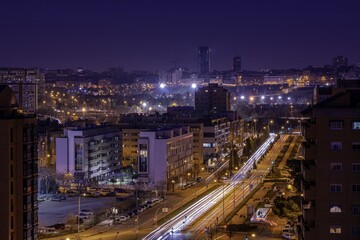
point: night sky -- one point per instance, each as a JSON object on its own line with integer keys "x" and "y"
{"x": 152, "y": 34}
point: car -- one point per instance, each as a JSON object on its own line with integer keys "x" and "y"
{"x": 56, "y": 198}
{"x": 82, "y": 216}
{"x": 95, "y": 194}
{"x": 107, "y": 222}
{"x": 289, "y": 236}
{"x": 122, "y": 218}
{"x": 130, "y": 214}
{"x": 71, "y": 193}
{"x": 86, "y": 211}
{"x": 224, "y": 178}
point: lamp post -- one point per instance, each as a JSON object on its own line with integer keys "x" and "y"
{"x": 173, "y": 185}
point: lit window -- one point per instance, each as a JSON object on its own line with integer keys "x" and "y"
{"x": 356, "y": 125}
{"x": 335, "y": 229}
{"x": 335, "y": 209}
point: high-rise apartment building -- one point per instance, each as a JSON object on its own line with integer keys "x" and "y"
{"x": 331, "y": 169}
{"x": 212, "y": 99}
{"x": 26, "y": 95}
{"x": 203, "y": 60}
{"x": 237, "y": 64}
{"x": 90, "y": 152}
{"x": 18, "y": 170}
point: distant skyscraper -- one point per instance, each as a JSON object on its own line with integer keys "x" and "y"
{"x": 18, "y": 170}
{"x": 237, "y": 64}
{"x": 340, "y": 61}
{"x": 212, "y": 99}
{"x": 203, "y": 60}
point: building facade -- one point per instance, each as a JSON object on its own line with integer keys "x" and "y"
{"x": 331, "y": 169}
{"x": 165, "y": 156}
{"x": 18, "y": 171}
{"x": 92, "y": 153}
{"x": 216, "y": 138}
{"x": 212, "y": 99}
{"x": 237, "y": 64}
{"x": 203, "y": 60}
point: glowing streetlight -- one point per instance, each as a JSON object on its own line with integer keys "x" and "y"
{"x": 193, "y": 86}
{"x": 279, "y": 97}
{"x": 144, "y": 104}
{"x": 242, "y": 97}
{"x": 262, "y": 97}
{"x": 162, "y": 85}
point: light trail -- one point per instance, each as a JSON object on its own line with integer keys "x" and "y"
{"x": 200, "y": 207}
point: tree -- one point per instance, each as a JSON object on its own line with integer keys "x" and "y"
{"x": 47, "y": 178}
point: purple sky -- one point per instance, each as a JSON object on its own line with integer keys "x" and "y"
{"x": 151, "y": 34}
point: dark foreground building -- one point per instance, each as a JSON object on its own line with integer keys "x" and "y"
{"x": 18, "y": 171}
{"x": 331, "y": 169}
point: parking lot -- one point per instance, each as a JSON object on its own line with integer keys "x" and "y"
{"x": 53, "y": 212}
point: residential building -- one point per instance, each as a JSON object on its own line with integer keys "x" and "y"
{"x": 26, "y": 95}
{"x": 92, "y": 153}
{"x": 165, "y": 156}
{"x": 18, "y": 170}
{"x": 331, "y": 169}
{"x": 216, "y": 138}
{"x": 212, "y": 99}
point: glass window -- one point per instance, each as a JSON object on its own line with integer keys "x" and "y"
{"x": 356, "y": 167}
{"x": 355, "y": 209}
{"x": 335, "y": 167}
{"x": 335, "y": 229}
{"x": 335, "y": 187}
{"x": 356, "y": 146}
{"x": 336, "y": 146}
{"x": 356, "y": 125}
{"x": 355, "y": 187}
{"x": 355, "y": 230}
{"x": 336, "y": 125}
{"x": 335, "y": 209}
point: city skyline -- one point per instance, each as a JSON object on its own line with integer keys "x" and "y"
{"x": 159, "y": 35}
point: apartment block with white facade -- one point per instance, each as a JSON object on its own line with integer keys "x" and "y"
{"x": 92, "y": 152}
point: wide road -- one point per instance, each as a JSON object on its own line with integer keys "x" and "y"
{"x": 233, "y": 197}
{"x": 174, "y": 226}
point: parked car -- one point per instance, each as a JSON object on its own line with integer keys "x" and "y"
{"x": 95, "y": 194}
{"x": 56, "y": 198}
{"x": 122, "y": 218}
{"x": 82, "y": 216}
{"x": 289, "y": 236}
{"x": 86, "y": 211}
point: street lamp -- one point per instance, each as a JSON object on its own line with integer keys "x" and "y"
{"x": 173, "y": 185}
